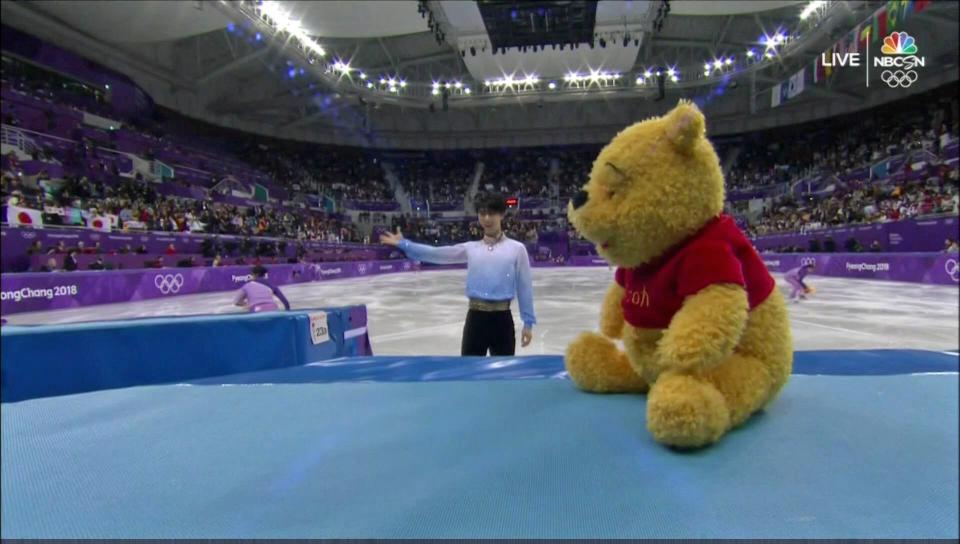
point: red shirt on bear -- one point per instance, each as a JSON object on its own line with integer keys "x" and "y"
{"x": 718, "y": 253}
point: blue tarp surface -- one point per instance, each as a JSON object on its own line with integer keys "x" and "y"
{"x": 859, "y": 444}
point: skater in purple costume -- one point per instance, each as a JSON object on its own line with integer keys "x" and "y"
{"x": 795, "y": 277}
{"x": 257, "y": 295}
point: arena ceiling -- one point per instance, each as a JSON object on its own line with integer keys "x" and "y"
{"x": 220, "y": 61}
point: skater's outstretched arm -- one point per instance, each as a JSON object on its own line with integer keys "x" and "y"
{"x": 422, "y": 252}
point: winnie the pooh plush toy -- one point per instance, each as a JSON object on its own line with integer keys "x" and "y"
{"x": 704, "y": 328}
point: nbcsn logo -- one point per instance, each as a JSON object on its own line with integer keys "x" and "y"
{"x": 902, "y": 59}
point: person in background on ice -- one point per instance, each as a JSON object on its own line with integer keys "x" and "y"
{"x": 257, "y": 295}
{"x": 498, "y": 269}
{"x": 795, "y": 277}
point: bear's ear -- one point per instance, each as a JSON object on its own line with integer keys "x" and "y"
{"x": 685, "y": 125}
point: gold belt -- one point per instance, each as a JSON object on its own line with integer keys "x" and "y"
{"x": 489, "y": 305}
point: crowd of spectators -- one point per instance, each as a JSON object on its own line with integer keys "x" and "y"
{"x": 842, "y": 144}
{"x": 435, "y": 231}
{"x": 435, "y": 176}
{"x": 520, "y": 172}
{"x": 860, "y": 203}
{"x": 341, "y": 173}
{"x": 139, "y": 205}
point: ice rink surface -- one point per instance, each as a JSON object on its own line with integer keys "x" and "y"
{"x": 422, "y": 313}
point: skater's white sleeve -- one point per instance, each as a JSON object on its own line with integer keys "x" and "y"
{"x": 525, "y": 288}
{"x": 437, "y": 255}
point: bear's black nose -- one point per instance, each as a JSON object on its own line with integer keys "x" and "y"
{"x": 580, "y": 199}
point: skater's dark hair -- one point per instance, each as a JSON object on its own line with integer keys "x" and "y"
{"x": 259, "y": 271}
{"x": 491, "y": 202}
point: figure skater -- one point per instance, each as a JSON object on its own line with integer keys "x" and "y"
{"x": 498, "y": 269}
{"x": 795, "y": 278}
{"x": 257, "y": 295}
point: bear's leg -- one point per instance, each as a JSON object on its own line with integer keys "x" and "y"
{"x": 693, "y": 410}
{"x": 686, "y": 411}
{"x": 596, "y": 365}
{"x": 745, "y": 383}
{"x": 641, "y": 348}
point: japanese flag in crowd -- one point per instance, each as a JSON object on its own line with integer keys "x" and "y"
{"x": 101, "y": 223}
{"x": 24, "y": 216}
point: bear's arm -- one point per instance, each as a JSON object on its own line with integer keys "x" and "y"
{"x": 706, "y": 329}
{"x": 611, "y": 314}
{"x": 713, "y": 316}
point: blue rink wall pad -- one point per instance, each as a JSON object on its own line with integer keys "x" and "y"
{"x": 859, "y": 444}
{"x": 49, "y": 360}
{"x": 275, "y": 426}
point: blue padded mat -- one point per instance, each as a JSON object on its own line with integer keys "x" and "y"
{"x": 312, "y": 456}
{"x": 427, "y": 369}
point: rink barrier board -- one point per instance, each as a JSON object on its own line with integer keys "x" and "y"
{"x": 932, "y": 268}
{"x": 31, "y": 292}
{"x": 51, "y": 360}
{"x": 924, "y": 267}
{"x": 52, "y": 291}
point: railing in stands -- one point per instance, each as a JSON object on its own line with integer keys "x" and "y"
{"x": 15, "y": 137}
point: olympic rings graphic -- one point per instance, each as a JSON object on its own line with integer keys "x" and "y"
{"x": 808, "y": 260}
{"x": 899, "y": 78}
{"x": 952, "y": 268}
{"x": 168, "y": 283}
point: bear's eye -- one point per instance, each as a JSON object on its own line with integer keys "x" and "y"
{"x": 611, "y": 193}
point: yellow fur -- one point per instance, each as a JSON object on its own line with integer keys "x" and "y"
{"x": 654, "y": 185}
{"x": 611, "y": 315}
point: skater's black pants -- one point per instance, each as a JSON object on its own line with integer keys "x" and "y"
{"x": 488, "y": 331}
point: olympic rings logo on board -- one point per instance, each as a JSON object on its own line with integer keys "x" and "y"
{"x": 952, "y": 268}
{"x": 28, "y": 235}
{"x": 168, "y": 283}
{"x": 362, "y": 268}
{"x": 899, "y": 78}
{"x": 808, "y": 260}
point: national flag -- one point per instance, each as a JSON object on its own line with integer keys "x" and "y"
{"x": 25, "y": 217}
{"x": 260, "y": 192}
{"x": 134, "y": 225}
{"x": 881, "y": 19}
{"x": 99, "y": 222}
{"x": 854, "y": 37}
{"x": 919, "y": 5}
{"x": 162, "y": 170}
{"x": 779, "y": 94}
{"x": 893, "y": 14}
{"x": 865, "y": 34}
{"x": 828, "y": 69}
{"x": 795, "y": 85}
